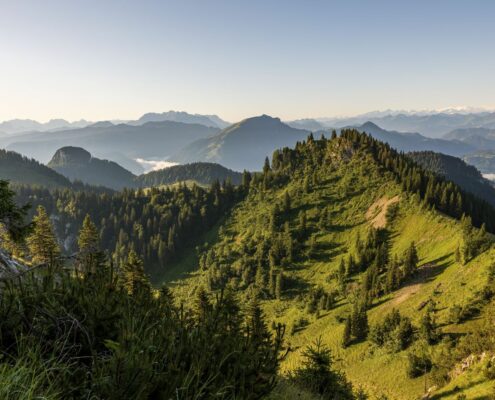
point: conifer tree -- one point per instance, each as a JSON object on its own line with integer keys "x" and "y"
{"x": 88, "y": 242}
{"x": 202, "y": 305}
{"x": 341, "y": 275}
{"x": 12, "y": 216}
{"x": 287, "y": 202}
{"x": 346, "y": 336}
{"x": 428, "y": 329}
{"x": 259, "y": 279}
{"x": 279, "y": 285}
{"x": 410, "y": 261}
{"x": 134, "y": 280}
{"x": 266, "y": 166}
{"x": 42, "y": 243}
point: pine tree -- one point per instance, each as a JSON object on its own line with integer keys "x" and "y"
{"x": 342, "y": 275}
{"x": 410, "y": 261}
{"x": 259, "y": 279}
{"x": 287, "y": 202}
{"x": 202, "y": 305}
{"x": 302, "y": 222}
{"x": 428, "y": 329}
{"x": 12, "y": 216}
{"x": 346, "y": 336}
{"x": 279, "y": 285}
{"x": 42, "y": 243}
{"x": 89, "y": 243}
{"x": 133, "y": 278}
{"x": 266, "y": 166}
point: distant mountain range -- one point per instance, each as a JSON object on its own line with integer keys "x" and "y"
{"x": 183, "y": 137}
{"x": 212, "y": 121}
{"x": 434, "y": 125}
{"x": 15, "y": 126}
{"x": 152, "y": 139}
{"x": 243, "y": 145}
{"x": 484, "y": 161}
{"x": 480, "y": 138}
{"x": 415, "y": 142}
{"x": 25, "y": 125}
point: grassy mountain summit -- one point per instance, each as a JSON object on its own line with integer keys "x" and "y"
{"x": 348, "y": 242}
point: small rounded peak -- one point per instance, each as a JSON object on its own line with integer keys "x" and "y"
{"x": 102, "y": 124}
{"x": 261, "y": 119}
{"x": 370, "y": 125}
{"x": 70, "y": 155}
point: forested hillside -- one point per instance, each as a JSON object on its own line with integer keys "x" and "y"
{"x": 203, "y": 173}
{"x": 343, "y": 242}
{"x": 158, "y": 224}
{"x": 19, "y": 169}
{"x": 457, "y": 171}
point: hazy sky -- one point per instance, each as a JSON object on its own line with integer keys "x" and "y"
{"x": 292, "y": 59}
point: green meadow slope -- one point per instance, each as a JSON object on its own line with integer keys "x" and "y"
{"x": 343, "y": 193}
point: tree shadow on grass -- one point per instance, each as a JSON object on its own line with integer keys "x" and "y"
{"x": 294, "y": 286}
{"x": 458, "y": 390}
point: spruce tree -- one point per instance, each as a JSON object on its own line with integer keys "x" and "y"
{"x": 89, "y": 243}
{"x": 42, "y": 243}
{"x": 428, "y": 329}
{"x": 12, "y": 216}
{"x": 347, "y": 335}
{"x": 410, "y": 261}
{"x": 279, "y": 285}
{"x": 134, "y": 280}
{"x": 202, "y": 305}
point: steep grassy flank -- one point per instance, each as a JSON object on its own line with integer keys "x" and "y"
{"x": 354, "y": 190}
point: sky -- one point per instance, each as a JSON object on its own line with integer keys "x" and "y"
{"x": 106, "y": 59}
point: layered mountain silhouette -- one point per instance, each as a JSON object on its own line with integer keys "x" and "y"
{"x": 152, "y": 139}
{"x": 430, "y": 124}
{"x": 243, "y": 145}
{"x": 482, "y": 160}
{"x": 480, "y": 138}
{"x": 405, "y": 141}
{"x": 24, "y": 125}
{"x": 212, "y": 121}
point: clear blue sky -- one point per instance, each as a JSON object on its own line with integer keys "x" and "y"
{"x": 292, "y": 59}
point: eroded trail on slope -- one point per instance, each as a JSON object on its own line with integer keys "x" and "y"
{"x": 377, "y": 213}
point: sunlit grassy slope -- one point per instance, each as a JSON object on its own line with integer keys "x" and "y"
{"x": 351, "y": 190}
